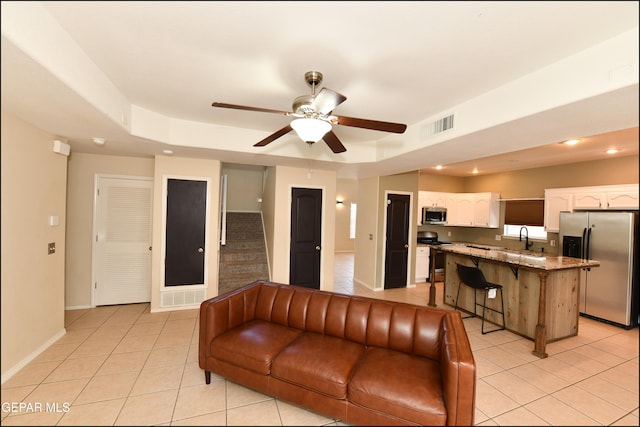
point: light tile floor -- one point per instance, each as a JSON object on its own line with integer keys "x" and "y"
{"x": 122, "y": 365}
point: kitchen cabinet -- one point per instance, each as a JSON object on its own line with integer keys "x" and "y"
{"x": 555, "y": 201}
{"x": 473, "y": 209}
{"x": 434, "y": 199}
{"x": 422, "y": 263}
{"x": 486, "y": 210}
{"x": 623, "y": 199}
{"x": 600, "y": 197}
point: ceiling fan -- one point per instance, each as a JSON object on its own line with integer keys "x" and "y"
{"x": 313, "y": 118}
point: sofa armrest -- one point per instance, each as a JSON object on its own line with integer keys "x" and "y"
{"x": 225, "y": 312}
{"x": 458, "y": 371}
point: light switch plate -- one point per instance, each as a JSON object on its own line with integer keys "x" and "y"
{"x": 51, "y": 248}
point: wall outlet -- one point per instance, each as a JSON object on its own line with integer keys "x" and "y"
{"x": 498, "y": 237}
{"x": 449, "y": 233}
{"x": 552, "y": 242}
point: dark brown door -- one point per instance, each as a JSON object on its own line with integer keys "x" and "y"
{"x": 397, "y": 247}
{"x": 306, "y": 228}
{"x": 185, "y": 238}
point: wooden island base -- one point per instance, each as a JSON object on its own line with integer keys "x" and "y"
{"x": 540, "y": 301}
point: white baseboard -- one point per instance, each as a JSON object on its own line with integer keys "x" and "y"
{"x": 24, "y": 362}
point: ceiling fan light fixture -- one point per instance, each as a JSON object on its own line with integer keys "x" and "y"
{"x": 310, "y": 130}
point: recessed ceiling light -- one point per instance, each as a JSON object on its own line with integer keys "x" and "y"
{"x": 475, "y": 170}
{"x": 98, "y": 141}
{"x": 439, "y": 167}
{"x": 571, "y": 142}
{"x": 612, "y": 151}
{"x": 169, "y": 152}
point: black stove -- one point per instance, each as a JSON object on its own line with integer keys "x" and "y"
{"x": 430, "y": 241}
{"x": 430, "y": 238}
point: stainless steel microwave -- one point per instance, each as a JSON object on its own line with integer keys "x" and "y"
{"x": 434, "y": 215}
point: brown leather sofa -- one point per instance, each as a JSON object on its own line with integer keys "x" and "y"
{"x": 361, "y": 360}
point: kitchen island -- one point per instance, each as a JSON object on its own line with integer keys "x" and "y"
{"x": 540, "y": 291}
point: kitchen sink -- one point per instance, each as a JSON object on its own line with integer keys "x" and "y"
{"x": 532, "y": 257}
{"x": 523, "y": 252}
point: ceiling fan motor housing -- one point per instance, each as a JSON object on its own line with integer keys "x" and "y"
{"x": 303, "y": 105}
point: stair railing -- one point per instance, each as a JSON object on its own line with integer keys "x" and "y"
{"x": 223, "y": 210}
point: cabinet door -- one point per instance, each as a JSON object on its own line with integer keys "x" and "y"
{"x": 588, "y": 200}
{"x": 465, "y": 208}
{"x": 554, "y": 203}
{"x": 452, "y": 209}
{"x": 482, "y": 212}
{"x": 422, "y": 263}
{"x": 435, "y": 199}
{"x": 622, "y": 200}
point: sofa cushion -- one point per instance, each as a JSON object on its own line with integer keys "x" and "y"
{"x": 318, "y": 362}
{"x": 399, "y": 384}
{"x": 253, "y": 345}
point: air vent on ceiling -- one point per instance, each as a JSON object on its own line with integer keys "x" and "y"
{"x": 438, "y": 126}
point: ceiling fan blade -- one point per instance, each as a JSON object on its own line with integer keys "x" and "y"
{"x": 244, "y": 107}
{"x": 326, "y": 100}
{"x": 369, "y": 124}
{"x": 333, "y": 142}
{"x": 277, "y": 134}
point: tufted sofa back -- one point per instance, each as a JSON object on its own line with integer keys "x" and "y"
{"x": 368, "y": 321}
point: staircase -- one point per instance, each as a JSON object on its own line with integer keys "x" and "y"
{"x": 243, "y": 259}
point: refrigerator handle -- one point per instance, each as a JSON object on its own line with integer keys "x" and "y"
{"x": 585, "y": 243}
{"x": 588, "y": 248}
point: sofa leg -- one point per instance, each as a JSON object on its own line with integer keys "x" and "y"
{"x": 207, "y": 377}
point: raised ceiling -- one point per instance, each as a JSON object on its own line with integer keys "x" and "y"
{"x": 519, "y": 77}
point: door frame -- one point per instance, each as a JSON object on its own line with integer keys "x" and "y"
{"x": 323, "y": 224}
{"x": 163, "y": 234}
{"x": 412, "y": 243}
{"x": 96, "y": 181}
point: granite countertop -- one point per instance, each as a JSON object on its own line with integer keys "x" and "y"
{"x": 535, "y": 260}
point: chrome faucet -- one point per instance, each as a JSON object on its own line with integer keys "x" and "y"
{"x": 527, "y": 245}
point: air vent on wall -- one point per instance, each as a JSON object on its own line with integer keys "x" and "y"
{"x": 438, "y": 126}
{"x": 182, "y": 298}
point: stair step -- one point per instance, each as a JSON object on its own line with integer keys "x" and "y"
{"x": 243, "y": 258}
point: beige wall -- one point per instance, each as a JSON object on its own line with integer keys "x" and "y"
{"x": 346, "y": 191}
{"x": 277, "y": 217}
{"x": 81, "y": 181}
{"x": 185, "y": 168}
{"x": 244, "y": 187}
{"x": 34, "y": 181}
{"x": 532, "y": 182}
{"x": 364, "y": 267}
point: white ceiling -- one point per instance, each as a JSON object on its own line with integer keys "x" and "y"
{"x": 64, "y": 65}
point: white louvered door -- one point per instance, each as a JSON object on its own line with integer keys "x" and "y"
{"x": 122, "y": 240}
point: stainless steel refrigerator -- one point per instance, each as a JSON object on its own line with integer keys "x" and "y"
{"x": 609, "y": 292}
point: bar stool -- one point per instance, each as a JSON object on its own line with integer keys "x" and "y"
{"x": 474, "y": 278}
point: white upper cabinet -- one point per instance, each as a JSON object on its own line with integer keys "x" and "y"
{"x": 434, "y": 199}
{"x": 556, "y": 201}
{"x": 473, "y": 209}
{"x": 600, "y": 197}
{"x": 486, "y": 210}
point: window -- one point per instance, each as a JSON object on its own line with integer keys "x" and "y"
{"x": 524, "y": 213}
{"x": 352, "y": 221}
{"x": 535, "y": 232}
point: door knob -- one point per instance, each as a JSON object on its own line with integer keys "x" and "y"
{"x": 406, "y": 246}
{"x": 318, "y": 248}
{"x": 200, "y": 250}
